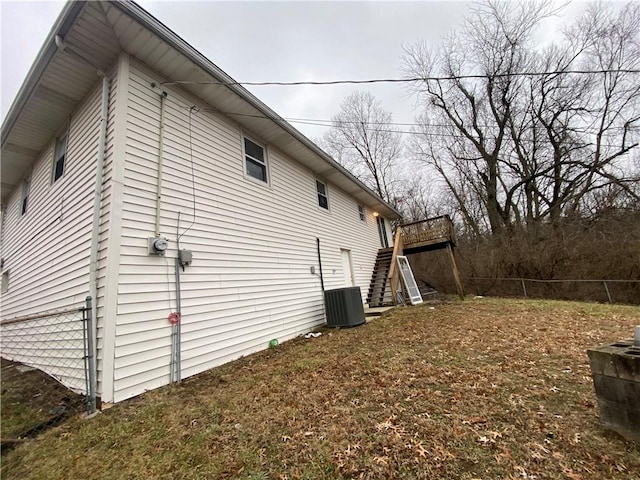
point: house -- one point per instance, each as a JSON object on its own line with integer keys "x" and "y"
{"x": 125, "y": 147}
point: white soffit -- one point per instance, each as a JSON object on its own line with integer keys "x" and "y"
{"x": 58, "y": 81}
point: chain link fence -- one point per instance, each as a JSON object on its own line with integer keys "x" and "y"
{"x": 45, "y": 371}
{"x": 603, "y": 291}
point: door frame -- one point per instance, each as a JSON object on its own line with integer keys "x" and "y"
{"x": 345, "y": 253}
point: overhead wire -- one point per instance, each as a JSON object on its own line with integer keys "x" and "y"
{"x": 328, "y": 123}
{"x": 333, "y": 123}
{"x": 403, "y": 80}
{"x": 192, "y": 109}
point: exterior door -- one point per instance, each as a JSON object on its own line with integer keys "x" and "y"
{"x": 347, "y": 268}
{"x": 382, "y": 231}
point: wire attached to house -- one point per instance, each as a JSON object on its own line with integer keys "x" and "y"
{"x": 192, "y": 109}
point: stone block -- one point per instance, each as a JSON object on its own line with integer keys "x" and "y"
{"x": 615, "y": 370}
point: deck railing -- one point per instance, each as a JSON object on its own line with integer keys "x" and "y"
{"x": 429, "y": 231}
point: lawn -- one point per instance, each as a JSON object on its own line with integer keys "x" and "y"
{"x": 481, "y": 389}
{"x": 32, "y": 401}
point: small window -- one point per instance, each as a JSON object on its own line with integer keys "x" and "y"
{"x": 5, "y": 282}
{"x": 26, "y": 187}
{"x": 59, "y": 157}
{"x": 323, "y": 199}
{"x": 255, "y": 160}
{"x": 361, "y": 212}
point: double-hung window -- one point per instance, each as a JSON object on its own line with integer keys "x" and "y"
{"x": 361, "y": 212}
{"x": 323, "y": 196}
{"x": 255, "y": 160}
{"x": 59, "y": 157}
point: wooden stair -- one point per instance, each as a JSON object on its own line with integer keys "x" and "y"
{"x": 379, "y": 294}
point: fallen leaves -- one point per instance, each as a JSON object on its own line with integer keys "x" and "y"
{"x": 468, "y": 390}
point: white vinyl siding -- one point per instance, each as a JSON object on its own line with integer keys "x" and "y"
{"x": 48, "y": 249}
{"x": 249, "y": 281}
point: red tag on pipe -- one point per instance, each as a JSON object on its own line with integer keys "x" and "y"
{"x": 174, "y": 318}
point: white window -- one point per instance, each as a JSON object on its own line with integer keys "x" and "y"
{"x": 361, "y": 212}
{"x": 24, "y": 205}
{"x": 59, "y": 157}
{"x": 255, "y": 160}
{"x": 323, "y": 196}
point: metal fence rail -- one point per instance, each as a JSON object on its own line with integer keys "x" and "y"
{"x": 45, "y": 369}
{"x": 598, "y": 290}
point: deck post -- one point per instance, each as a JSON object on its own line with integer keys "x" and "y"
{"x": 456, "y": 273}
{"x": 393, "y": 274}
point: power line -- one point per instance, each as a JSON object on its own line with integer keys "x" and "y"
{"x": 331, "y": 123}
{"x": 406, "y": 80}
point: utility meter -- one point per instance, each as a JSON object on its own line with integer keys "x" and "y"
{"x": 158, "y": 246}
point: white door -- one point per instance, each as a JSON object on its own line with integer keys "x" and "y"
{"x": 382, "y": 231}
{"x": 347, "y": 268}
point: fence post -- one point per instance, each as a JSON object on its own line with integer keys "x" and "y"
{"x": 91, "y": 404}
{"x": 524, "y": 289}
{"x": 607, "y": 290}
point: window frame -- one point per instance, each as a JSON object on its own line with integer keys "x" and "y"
{"x": 247, "y": 158}
{"x": 26, "y": 191}
{"x": 325, "y": 194}
{"x": 362, "y": 212}
{"x": 4, "y": 282}
{"x": 57, "y": 158}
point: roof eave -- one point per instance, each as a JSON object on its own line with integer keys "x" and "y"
{"x": 66, "y": 19}
{"x": 166, "y": 34}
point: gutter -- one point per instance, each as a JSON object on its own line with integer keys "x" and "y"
{"x": 166, "y": 34}
{"x": 65, "y": 21}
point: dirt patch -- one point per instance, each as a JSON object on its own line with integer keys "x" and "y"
{"x": 481, "y": 389}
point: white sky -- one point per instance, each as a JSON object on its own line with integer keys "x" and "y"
{"x": 271, "y": 41}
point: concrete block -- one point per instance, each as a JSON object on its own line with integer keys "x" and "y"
{"x": 615, "y": 370}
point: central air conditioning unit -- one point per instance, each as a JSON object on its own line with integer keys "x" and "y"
{"x": 344, "y": 307}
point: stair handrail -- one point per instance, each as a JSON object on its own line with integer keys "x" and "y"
{"x": 394, "y": 278}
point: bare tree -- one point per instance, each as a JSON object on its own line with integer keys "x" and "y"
{"x": 363, "y": 140}
{"x": 517, "y": 149}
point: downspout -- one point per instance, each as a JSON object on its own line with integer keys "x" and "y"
{"x": 320, "y": 266}
{"x": 95, "y": 232}
{"x": 324, "y": 303}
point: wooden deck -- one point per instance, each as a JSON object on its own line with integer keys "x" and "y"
{"x": 430, "y": 234}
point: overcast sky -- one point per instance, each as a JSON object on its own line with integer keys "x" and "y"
{"x": 273, "y": 41}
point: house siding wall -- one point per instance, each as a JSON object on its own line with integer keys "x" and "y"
{"x": 47, "y": 250}
{"x": 253, "y": 245}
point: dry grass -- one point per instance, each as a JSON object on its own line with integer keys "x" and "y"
{"x": 31, "y": 400}
{"x": 482, "y": 389}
